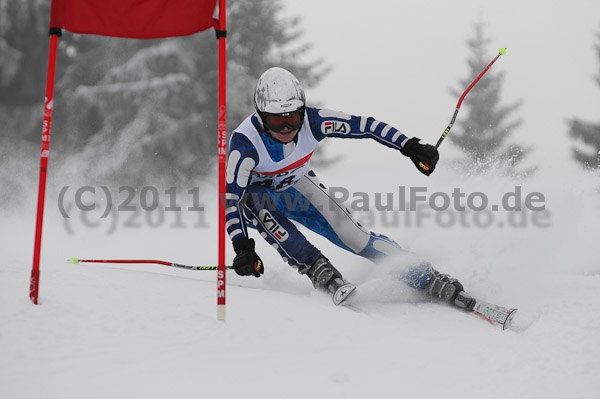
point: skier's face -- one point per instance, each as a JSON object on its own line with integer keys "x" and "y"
{"x": 285, "y": 135}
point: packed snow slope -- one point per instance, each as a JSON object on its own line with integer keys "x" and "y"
{"x": 149, "y": 331}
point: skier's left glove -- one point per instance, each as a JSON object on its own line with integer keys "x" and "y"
{"x": 424, "y": 156}
{"x": 247, "y": 262}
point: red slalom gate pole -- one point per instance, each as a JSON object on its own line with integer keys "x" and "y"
{"x": 222, "y": 140}
{"x": 34, "y": 284}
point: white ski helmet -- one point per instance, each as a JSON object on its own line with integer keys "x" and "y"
{"x": 278, "y": 92}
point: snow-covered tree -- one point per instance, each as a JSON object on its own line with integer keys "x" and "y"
{"x": 152, "y": 107}
{"x": 587, "y": 154}
{"x": 23, "y": 64}
{"x": 484, "y": 131}
{"x": 139, "y": 111}
{"x": 23, "y": 48}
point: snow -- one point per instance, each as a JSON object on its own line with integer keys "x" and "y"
{"x": 151, "y": 331}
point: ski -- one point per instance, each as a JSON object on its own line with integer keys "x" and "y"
{"x": 496, "y": 315}
{"x": 342, "y": 292}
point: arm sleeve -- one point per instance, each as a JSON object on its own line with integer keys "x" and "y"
{"x": 327, "y": 123}
{"x": 241, "y": 161}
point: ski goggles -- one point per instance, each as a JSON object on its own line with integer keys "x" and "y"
{"x": 277, "y": 122}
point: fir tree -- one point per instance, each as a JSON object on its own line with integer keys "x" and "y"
{"x": 588, "y": 133}
{"x": 485, "y": 131}
{"x": 140, "y": 111}
{"x": 23, "y": 64}
{"x": 156, "y": 103}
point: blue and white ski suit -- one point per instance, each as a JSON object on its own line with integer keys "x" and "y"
{"x": 270, "y": 183}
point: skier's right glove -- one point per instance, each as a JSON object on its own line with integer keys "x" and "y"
{"x": 424, "y": 156}
{"x": 246, "y": 261}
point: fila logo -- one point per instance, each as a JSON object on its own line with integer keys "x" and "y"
{"x": 271, "y": 224}
{"x": 329, "y": 127}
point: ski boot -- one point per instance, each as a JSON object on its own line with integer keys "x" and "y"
{"x": 326, "y": 277}
{"x": 448, "y": 289}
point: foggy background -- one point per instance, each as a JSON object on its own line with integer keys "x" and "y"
{"x": 133, "y": 115}
{"x": 398, "y": 61}
{"x": 135, "y": 120}
{"x": 142, "y": 112}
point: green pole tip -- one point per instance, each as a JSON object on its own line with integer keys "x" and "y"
{"x": 502, "y": 51}
{"x": 74, "y": 260}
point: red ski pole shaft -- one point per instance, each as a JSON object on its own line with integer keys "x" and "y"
{"x": 74, "y": 260}
{"x": 502, "y": 51}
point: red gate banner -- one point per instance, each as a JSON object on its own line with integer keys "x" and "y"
{"x": 139, "y": 19}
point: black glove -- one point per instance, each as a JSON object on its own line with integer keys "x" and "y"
{"x": 424, "y": 156}
{"x": 247, "y": 262}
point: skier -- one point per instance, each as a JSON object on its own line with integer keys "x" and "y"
{"x": 270, "y": 183}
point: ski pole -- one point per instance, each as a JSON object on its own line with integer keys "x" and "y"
{"x": 74, "y": 261}
{"x": 501, "y": 51}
